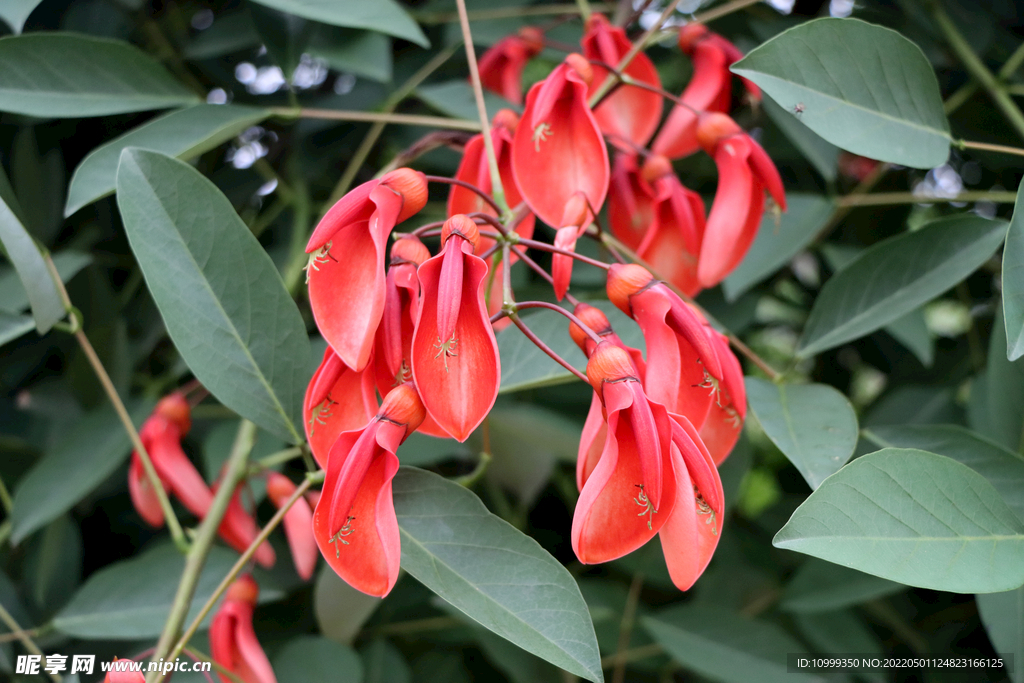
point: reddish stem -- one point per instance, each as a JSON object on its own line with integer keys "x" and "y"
{"x": 543, "y": 246}
{"x": 491, "y": 220}
{"x": 420, "y": 231}
{"x": 545, "y": 348}
{"x": 552, "y": 307}
{"x": 469, "y": 186}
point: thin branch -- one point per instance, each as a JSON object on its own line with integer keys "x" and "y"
{"x": 378, "y": 117}
{"x": 626, "y": 626}
{"x": 469, "y": 186}
{"x": 217, "y": 666}
{"x": 23, "y": 635}
{"x": 545, "y": 348}
{"x": 723, "y": 10}
{"x": 512, "y": 12}
{"x": 631, "y": 655}
{"x": 887, "y": 198}
{"x": 594, "y": 336}
{"x": 989, "y": 147}
{"x": 544, "y": 246}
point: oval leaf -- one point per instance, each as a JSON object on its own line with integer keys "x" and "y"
{"x": 183, "y": 134}
{"x": 222, "y": 299}
{"x": 862, "y": 87}
{"x": 66, "y": 75}
{"x": 492, "y": 572}
{"x": 812, "y": 424}
{"x": 1013, "y": 281}
{"x": 385, "y": 16}
{"x": 312, "y": 658}
{"x": 823, "y": 587}
{"x": 47, "y": 307}
{"x": 723, "y": 646}
{"x": 913, "y": 517}
{"x": 896, "y": 276}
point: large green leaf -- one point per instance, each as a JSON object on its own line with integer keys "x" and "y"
{"x": 862, "y": 87}
{"x": 184, "y": 134}
{"x": 896, "y": 276}
{"x": 312, "y": 658}
{"x": 776, "y": 244}
{"x": 1003, "y": 468}
{"x": 1003, "y": 617}
{"x": 812, "y": 424}
{"x": 455, "y": 98}
{"x": 53, "y": 564}
{"x": 386, "y": 16}
{"x": 1013, "y": 281}
{"x": 89, "y": 453}
{"x": 822, "y": 154}
{"x": 723, "y": 646}
{"x": 221, "y": 297}
{"x": 340, "y": 609}
{"x": 130, "y": 600}
{"x": 14, "y": 325}
{"x": 823, "y": 587}
{"x": 492, "y": 572}
{"x": 47, "y": 307}
{"x": 998, "y": 394}
{"x": 914, "y": 517}
{"x": 363, "y": 53}
{"x": 525, "y": 366}
{"x": 66, "y": 75}
{"x": 912, "y": 331}
{"x": 14, "y": 298}
{"x": 384, "y": 663}
{"x": 16, "y": 12}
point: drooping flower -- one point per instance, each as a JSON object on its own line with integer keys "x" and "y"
{"x": 298, "y": 524}
{"x": 501, "y": 67}
{"x": 672, "y": 243}
{"x": 233, "y": 642}
{"x": 338, "y": 399}
{"x": 630, "y": 201}
{"x": 454, "y": 352}
{"x": 629, "y": 493}
{"x": 558, "y": 149}
{"x": 575, "y": 219}
{"x": 354, "y": 521}
{"x": 683, "y": 369}
{"x": 161, "y": 435}
{"x": 346, "y": 264}
{"x": 708, "y": 89}
{"x": 745, "y": 171}
{"x": 239, "y": 529}
{"x": 629, "y": 113}
{"x": 721, "y": 430}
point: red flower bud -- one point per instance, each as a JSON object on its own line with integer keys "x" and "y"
{"x": 233, "y": 642}
{"x": 298, "y": 524}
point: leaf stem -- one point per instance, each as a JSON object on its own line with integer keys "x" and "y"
{"x": 177, "y": 535}
{"x": 540, "y": 344}
{"x": 886, "y": 198}
{"x": 631, "y": 655}
{"x": 234, "y": 472}
{"x": 544, "y": 246}
{"x": 23, "y": 635}
{"x": 989, "y": 147}
{"x": 380, "y": 117}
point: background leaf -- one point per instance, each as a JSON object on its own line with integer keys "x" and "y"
{"x": 1003, "y": 617}
{"x": 1013, "y": 281}
{"x": 16, "y": 12}
{"x": 363, "y": 53}
{"x": 386, "y": 16}
{"x": 492, "y": 572}
{"x": 819, "y": 586}
{"x": 183, "y": 134}
{"x": 66, "y": 75}
{"x": 822, "y": 154}
{"x": 219, "y": 293}
{"x": 310, "y": 658}
{"x": 812, "y": 424}
{"x": 47, "y": 307}
{"x": 896, "y": 276}
{"x": 13, "y": 326}
{"x": 14, "y": 298}
{"x": 455, "y": 98}
{"x": 998, "y": 393}
{"x": 862, "y": 87}
{"x": 914, "y": 517}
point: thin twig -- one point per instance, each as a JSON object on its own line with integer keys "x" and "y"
{"x": 378, "y": 117}
{"x": 722, "y": 10}
{"x": 626, "y": 625}
{"x": 544, "y": 246}
{"x": 544, "y": 347}
{"x": 511, "y": 13}
{"x": 571, "y": 316}
{"x": 217, "y": 666}
{"x": 887, "y": 198}
{"x": 469, "y": 186}
{"x": 24, "y": 636}
{"x": 989, "y": 147}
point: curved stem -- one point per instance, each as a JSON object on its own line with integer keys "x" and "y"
{"x": 544, "y": 246}
{"x": 469, "y": 186}
{"x": 545, "y": 348}
{"x": 420, "y": 231}
{"x": 572, "y": 317}
{"x": 490, "y": 220}
{"x": 22, "y": 634}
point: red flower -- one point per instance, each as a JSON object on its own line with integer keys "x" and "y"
{"x": 575, "y": 219}
{"x": 354, "y": 522}
{"x": 744, "y": 172}
{"x": 722, "y": 428}
{"x": 708, "y": 89}
{"x": 338, "y": 399}
{"x": 298, "y": 524}
{"x": 683, "y": 369}
{"x": 239, "y": 529}
{"x": 558, "y": 149}
{"x": 233, "y": 642}
{"x": 161, "y": 435}
{"x": 124, "y": 676}
{"x": 501, "y": 67}
{"x": 630, "y": 201}
{"x": 629, "y": 113}
{"x": 672, "y": 243}
{"x": 454, "y": 352}
{"x": 629, "y": 493}
{"x": 346, "y": 265}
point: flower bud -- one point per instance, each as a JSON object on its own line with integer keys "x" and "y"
{"x": 581, "y": 65}
{"x": 175, "y": 409}
{"x": 656, "y": 166}
{"x": 592, "y": 317}
{"x": 244, "y": 590}
{"x": 463, "y": 226}
{"x": 690, "y": 35}
{"x": 625, "y": 280}
{"x": 403, "y": 406}
{"x": 409, "y": 249}
{"x": 507, "y": 119}
{"x": 411, "y": 186}
{"x": 532, "y": 39}
{"x": 712, "y": 127}
{"x": 608, "y": 363}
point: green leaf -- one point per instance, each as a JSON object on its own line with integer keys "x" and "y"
{"x": 339, "y": 608}
{"x": 386, "y": 16}
{"x": 232, "y": 32}
{"x": 183, "y": 134}
{"x": 455, "y": 98}
{"x": 16, "y": 12}
{"x": 14, "y": 298}
{"x": 384, "y": 663}
{"x": 47, "y": 307}
{"x": 89, "y": 453}
{"x": 838, "y": 633}
{"x": 220, "y": 295}
{"x": 776, "y": 245}
{"x": 824, "y": 587}
{"x": 896, "y": 276}
{"x": 130, "y": 599}
{"x": 492, "y": 572}
{"x": 1003, "y": 617}
{"x": 823, "y": 155}
{"x": 53, "y": 566}
{"x": 1013, "y": 281}
{"x": 312, "y": 658}
{"x": 362, "y": 53}
{"x": 812, "y": 424}
{"x": 912, "y": 332}
{"x": 14, "y": 325}
{"x": 1003, "y": 468}
{"x": 66, "y": 75}
{"x": 997, "y": 394}
{"x": 524, "y": 366}
{"x": 914, "y": 517}
{"x": 862, "y": 87}
{"x": 723, "y": 646}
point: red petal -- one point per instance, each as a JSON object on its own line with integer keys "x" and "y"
{"x": 298, "y": 527}
{"x": 143, "y": 496}
{"x": 735, "y": 203}
{"x": 449, "y": 287}
{"x": 348, "y": 404}
{"x": 672, "y": 244}
{"x": 630, "y": 202}
{"x": 561, "y": 265}
{"x": 354, "y": 207}
{"x": 595, "y": 431}
{"x": 460, "y": 382}
{"x": 178, "y": 473}
{"x": 722, "y": 429}
{"x": 766, "y": 172}
{"x": 678, "y": 137}
{"x": 238, "y": 529}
